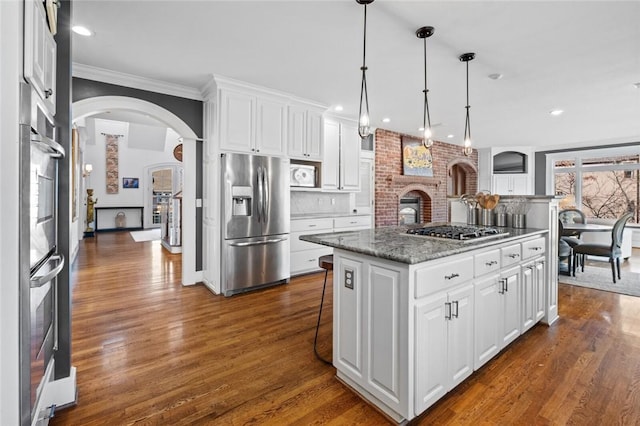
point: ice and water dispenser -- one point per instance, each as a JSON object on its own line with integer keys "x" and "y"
{"x": 241, "y": 198}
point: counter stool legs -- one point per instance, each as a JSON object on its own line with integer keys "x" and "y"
{"x": 326, "y": 262}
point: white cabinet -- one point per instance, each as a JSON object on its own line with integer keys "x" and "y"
{"x": 444, "y": 344}
{"x": 533, "y": 293}
{"x": 305, "y": 133}
{"x": 511, "y": 184}
{"x": 509, "y": 289}
{"x": 252, "y": 124}
{"x": 341, "y": 155}
{"x": 365, "y": 198}
{"x": 40, "y": 54}
{"x": 304, "y": 255}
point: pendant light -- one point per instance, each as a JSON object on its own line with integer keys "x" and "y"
{"x": 466, "y": 57}
{"x": 364, "y": 129}
{"x": 423, "y": 33}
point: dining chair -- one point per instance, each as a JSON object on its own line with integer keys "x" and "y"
{"x": 571, "y": 241}
{"x": 572, "y": 216}
{"x": 613, "y": 251}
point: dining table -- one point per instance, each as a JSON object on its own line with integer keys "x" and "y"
{"x": 587, "y": 227}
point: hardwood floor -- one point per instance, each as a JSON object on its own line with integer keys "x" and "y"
{"x": 149, "y": 351}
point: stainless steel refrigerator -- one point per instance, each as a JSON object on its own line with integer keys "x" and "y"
{"x": 255, "y": 222}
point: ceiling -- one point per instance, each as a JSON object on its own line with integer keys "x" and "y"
{"x": 579, "y": 56}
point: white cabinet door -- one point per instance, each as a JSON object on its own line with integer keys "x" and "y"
{"x": 297, "y": 131}
{"x": 364, "y": 201}
{"x": 313, "y": 146}
{"x": 511, "y": 184}
{"x": 502, "y": 185}
{"x": 331, "y": 163}
{"x": 271, "y": 127}
{"x": 528, "y": 297}
{"x": 510, "y": 290}
{"x": 431, "y": 376}
{"x": 488, "y": 304}
{"x": 237, "y": 130}
{"x": 40, "y": 54}
{"x": 460, "y": 335}
{"x": 539, "y": 289}
{"x": 444, "y": 344}
{"x": 349, "y": 157}
{"x": 520, "y": 184}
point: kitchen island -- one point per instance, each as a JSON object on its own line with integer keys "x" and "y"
{"x": 414, "y": 316}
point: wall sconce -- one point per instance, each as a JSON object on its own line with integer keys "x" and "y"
{"x": 88, "y": 168}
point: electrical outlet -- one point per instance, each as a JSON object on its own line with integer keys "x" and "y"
{"x": 349, "y": 278}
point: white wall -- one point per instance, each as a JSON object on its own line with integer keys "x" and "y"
{"x": 10, "y": 73}
{"x": 132, "y": 162}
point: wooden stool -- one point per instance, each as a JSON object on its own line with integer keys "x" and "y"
{"x": 326, "y": 263}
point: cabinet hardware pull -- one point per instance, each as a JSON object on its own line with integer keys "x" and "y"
{"x": 447, "y": 305}
{"x": 48, "y": 93}
{"x": 455, "y": 303}
{"x": 493, "y": 262}
{"x": 506, "y": 285}
{"x": 535, "y": 248}
{"x": 311, "y": 226}
{"x": 501, "y": 291}
{"x": 452, "y": 276}
{"x": 513, "y": 255}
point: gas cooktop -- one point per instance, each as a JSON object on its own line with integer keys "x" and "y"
{"x": 459, "y": 232}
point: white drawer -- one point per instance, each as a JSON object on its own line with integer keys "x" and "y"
{"x": 510, "y": 255}
{"x": 307, "y": 261}
{"x": 360, "y": 222}
{"x": 533, "y": 248}
{"x": 298, "y": 245}
{"x": 319, "y": 224}
{"x": 439, "y": 277}
{"x": 486, "y": 262}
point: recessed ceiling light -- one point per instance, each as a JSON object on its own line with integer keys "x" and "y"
{"x": 450, "y": 136}
{"x": 83, "y": 31}
{"x": 495, "y": 76}
{"x": 386, "y": 120}
{"x": 636, "y": 85}
{"x": 556, "y": 112}
{"x": 338, "y": 108}
{"x": 421, "y": 129}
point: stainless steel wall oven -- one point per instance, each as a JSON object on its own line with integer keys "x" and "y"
{"x": 39, "y": 261}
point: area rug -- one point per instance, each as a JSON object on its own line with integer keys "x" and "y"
{"x": 601, "y": 279}
{"x": 146, "y": 235}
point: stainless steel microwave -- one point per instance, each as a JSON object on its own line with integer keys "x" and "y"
{"x": 303, "y": 175}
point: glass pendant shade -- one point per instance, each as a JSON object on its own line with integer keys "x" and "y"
{"x": 364, "y": 122}
{"x": 424, "y": 33}
{"x": 466, "y": 57}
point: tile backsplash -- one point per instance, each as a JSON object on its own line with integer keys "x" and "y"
{"x": 303, "y": 202}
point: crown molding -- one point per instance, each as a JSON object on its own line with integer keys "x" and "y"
{"x": 136, "y": 82}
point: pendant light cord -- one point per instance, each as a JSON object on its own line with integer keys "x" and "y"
{"x": 427, "y": 117}
{"x": 467, "y": 124}
{"x": 363, "y": 87}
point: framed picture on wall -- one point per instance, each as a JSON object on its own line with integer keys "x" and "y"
{"x": 130, "y": 182}
{"x": 416, "y": 158}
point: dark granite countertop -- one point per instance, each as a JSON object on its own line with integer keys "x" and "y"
{"x": 395, "y": 244}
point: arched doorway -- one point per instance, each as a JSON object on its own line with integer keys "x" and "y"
{"x": 462, "y": 177}
{"x": 101, "y": 104}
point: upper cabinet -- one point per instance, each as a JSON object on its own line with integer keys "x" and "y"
{"x": 341, "y": 155}
{"x": 506, "y": 171}
{"x": 305, "y": 132}
{"x": 252, "y": 123}
{"x": 40, "y": 54}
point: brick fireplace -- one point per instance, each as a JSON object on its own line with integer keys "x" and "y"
{"x": 392, "y": 186}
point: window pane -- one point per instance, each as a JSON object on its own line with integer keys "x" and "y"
{"x": 566, "y": 185}
{"x": 601, "y": 161}
{"x": 565, "y": 163}
{"x": 609, "y": 194}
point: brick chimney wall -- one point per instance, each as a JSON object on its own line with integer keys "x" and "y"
{"x": 389, "y": 190}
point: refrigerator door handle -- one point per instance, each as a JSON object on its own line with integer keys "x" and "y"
{"x": 265, "y": 188}
{"x": 260, "y": 194}
{"x": 36, "y": 282}
{"x": 258, "y": 243}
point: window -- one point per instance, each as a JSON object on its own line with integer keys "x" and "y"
{"x": 602, "y": 186}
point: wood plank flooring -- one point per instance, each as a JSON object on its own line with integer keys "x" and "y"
{"x": 149, "y": 351}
